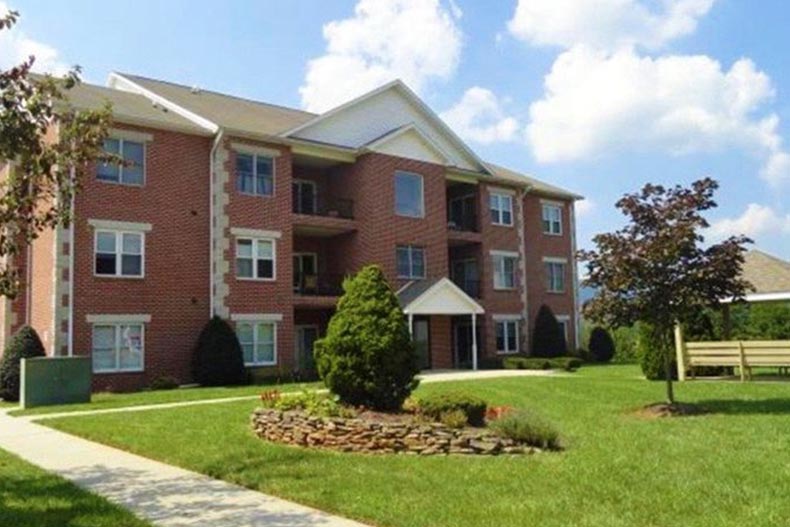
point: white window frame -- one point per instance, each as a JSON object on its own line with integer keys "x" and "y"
{"x": 500, "y": 198}
{"x": 121, "y": 167}
{"x": 117, "y": 335}
{"x": 545, "y": 217}
{"x": 498, "y": 261}
{"x": 411, "y": 275}
{"x": 254, "y": 322}
{"x": 119, "y": 252}
{"x": 255, "y": 156}
{"x": 507, "y": 321}
{"x": 255, "y": 240}
{"x": 422, "y": 193}
{"x": 565, "y": 321}
{"x": 548, "y": 268}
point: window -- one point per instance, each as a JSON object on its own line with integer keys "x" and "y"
{"x": 258, "y": 342}
{"x": 501, "y": 209}
{"x": 507, "y": 336}
{"x": 117, "y": 348}
{"x": 504, "y": 271}
{"x": 132, "y": 172}
{"x": 119, "y": 253}
{"x": 255, "y": 258}
{"x": 555, "y": 276}
{"x": 255, "y": 174}
{"x": 304, "y": 197}
{"x": 552, "y": 219}
{"x": 408, "y": 195}
{"x": 564, "y": 322}
{"x": 410, "y": 262}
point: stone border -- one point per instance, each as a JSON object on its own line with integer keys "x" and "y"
{"x": 373, "y": 437}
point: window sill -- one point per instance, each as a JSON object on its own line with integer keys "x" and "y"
{"x": 121, "y": 183}
{"x": 505, "y": 289}
{"x": 252, "y": 195}
{"x": 500, "y": 352}
{"x": 501, "y": 224}
{"x": 119, "y": 276}
{"x": 265, "y": 280}
{"x": 117, "y": 372}
{"x": 556, "y": 292}
{"x": 260, "y": 364}
{"x": 555, "y": 234}
{"x": 409, "y": 216}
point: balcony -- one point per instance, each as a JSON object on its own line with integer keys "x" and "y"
{"x": 317, "y": 290}
{"x": 470, "y": 287}
{"x": 328, "y": 207}
{"x": 463, "y": 222}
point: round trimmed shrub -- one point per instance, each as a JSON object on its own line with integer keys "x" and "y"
{"x": 367, "y": 357}
{"x": 218, "y": 359}
{"x": 435, "y": 406}
{"x": 25, "y": 344}
{"x": 548, "y": 340}
{"x": 601, "y": 345}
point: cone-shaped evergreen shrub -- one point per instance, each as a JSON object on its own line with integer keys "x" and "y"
{"x": 218, "y": 360}
{"x": 601, "y": 345}
{"x": 548, "y": 340}
{"x": 367, "y": 357}
{"x": 652, "y": 354}
{"x": 24, "y": 344}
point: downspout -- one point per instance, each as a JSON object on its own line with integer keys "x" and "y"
{"x": 72, "y": 250}
{"x": 522, "y": 242}
{"x": 576, "y": 318}
{"x": 211, "y": 220}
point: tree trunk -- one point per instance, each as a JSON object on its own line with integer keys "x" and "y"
{"x": 667, "y": 367}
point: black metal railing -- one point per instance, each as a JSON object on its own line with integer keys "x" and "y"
{"x": 463, "y": 222}
{"x": 324, "y": 206}
{"x": 318, "y": 284}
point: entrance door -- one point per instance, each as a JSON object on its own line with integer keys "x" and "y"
{"x": 305, "y": 338}
{"x": 463, "y": 344}
{"x": 304, "y": 197}
{"x": 305, "y": 272}
{"x": 421, "y": 335}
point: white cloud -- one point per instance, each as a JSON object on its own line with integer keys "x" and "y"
{"x": 479, "y": 117}
{"x": 596, "y": 102}
{"x": 606, "y": 24}
{"x": 414, "y": 40}
{"x": 16, "y": 47}
{"x": 584, "y": 207}
{"x": 756, "y": 220}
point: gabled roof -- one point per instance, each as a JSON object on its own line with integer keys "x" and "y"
{"x": 538, "y": 187}
{"x": 438, "y": 296}
{"x": 226, "y": 111}
{"x": 768, "y": 274}
{"x": 407, "y": 141}
{"x": 129, "y": 108}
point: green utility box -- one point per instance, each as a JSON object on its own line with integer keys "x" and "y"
{"x": 55, "y": 380}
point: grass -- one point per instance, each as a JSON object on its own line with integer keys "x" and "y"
{"x": 107, "y": 400}
{"x": 31, "y": 497}
{"x": 729, "y": 467}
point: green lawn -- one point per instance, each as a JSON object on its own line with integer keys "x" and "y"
{"x": 31, "y": 497}
{"x": 106, "y": 400}
{"x": 731, "y": 467}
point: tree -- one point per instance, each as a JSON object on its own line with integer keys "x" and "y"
{"x": 25, "y": 344}
{"x": 548, "y": 339}
{"x": 41, "y": 173}
{"x": 218, "y": 359}
{"x": 657, "y": 268}
{"x": 367, "y": 356}
{"x": 601, "y": 345}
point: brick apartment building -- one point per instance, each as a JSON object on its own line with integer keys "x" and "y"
{"x": 255, "y": 212}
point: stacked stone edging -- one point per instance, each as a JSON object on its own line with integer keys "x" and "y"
{"x": 373, "y": 437}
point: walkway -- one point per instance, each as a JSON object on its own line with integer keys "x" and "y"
{"x": 165, "y": 495}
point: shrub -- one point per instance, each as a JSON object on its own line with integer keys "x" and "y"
{"x": 601, "y": 345}
{"x": 473, "y": 407}
{"x": 367, "y": 357}
{"x": 218, "y": 360}
{"x": 24, "y": 344}
{"x": 527, "y": 428}
{"x": 625, "y": 344}
{"x": 526, "y": 363}
{"x": 566, "y": 363}
{"x": 548, "y": 340}
{"x": 454, "y": 419}
{"x": 490, "y": 363}
{"x": 651, "y": 356}
{"x": 309, "y": 401}
{"x": 165, "y": 382}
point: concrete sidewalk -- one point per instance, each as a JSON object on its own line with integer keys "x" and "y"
{"x": 163, "y": 494}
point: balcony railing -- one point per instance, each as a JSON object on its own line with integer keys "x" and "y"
{"x": 325, "y": 206}
{"x": 318, "y": 284}
{"x": 465, "y": 222}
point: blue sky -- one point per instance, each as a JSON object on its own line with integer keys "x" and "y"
{"x": 598, "y": 96}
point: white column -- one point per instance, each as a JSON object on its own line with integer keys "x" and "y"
{"x": 474, "y": 341}
{"x": 411, "y": 325}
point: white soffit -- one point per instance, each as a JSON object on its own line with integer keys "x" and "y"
{"x": 444, "y": 298}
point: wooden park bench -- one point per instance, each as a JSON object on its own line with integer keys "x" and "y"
{"x": 742, "y": 354}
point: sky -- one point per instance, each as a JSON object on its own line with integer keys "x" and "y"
{"x": 596, "y": 96}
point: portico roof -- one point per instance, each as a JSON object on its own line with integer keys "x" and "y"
{"x": 436, "y": 297}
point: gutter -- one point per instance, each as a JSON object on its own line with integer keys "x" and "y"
{"x": 211, "y": 207}
{"x": 70, "y": 343}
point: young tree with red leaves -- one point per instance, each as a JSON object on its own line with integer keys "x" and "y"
{"x": 657, "y": 269}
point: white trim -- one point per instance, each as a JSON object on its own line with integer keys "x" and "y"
{"x": 507, "y": 254}
{"x": 422, "y": 193}
{"x": 411, "y": 275}
{"x": 517, "y": 322}
{"x": 397, "y": 132}
{"x": 275, "y": 328}
{"x": 242, "y": 232}
{"x": 543, "y": 208}
{"x": 501, "y": 197}
{"x": 411, "y": 308}
{"x": 118, "y": 319}
{"x": 117, "y": 347}
{"x": 501, "y": 190}
{"x": 121, "y": 142}
{"x": 499, "y": 317}
{"x": 555, "y": 259}
{"x": 130, "y": 135}
{"x": 256, "y": 317}
{"x": 113, "y": 225}
{"x": 255, "y": 258}
{"x": 761, "y": 297}
{"x": 552, "y": 202}
{"x": 119, "y": 253}
{"x": 254, "y": 150}
{"x": 235, "y": 174}
{"x": 564, "y": 320}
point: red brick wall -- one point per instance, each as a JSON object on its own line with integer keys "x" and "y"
{"x": 540, "y": 245}
{"x": 175, "y": 290}
{"x": 42, "y": 288}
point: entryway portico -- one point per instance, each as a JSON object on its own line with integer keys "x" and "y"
{"x": 439, "y": 297}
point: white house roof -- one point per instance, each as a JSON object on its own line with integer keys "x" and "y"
{"x": 437, "y": 297}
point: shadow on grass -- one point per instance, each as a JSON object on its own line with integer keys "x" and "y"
{"x": 774, "y": 406}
